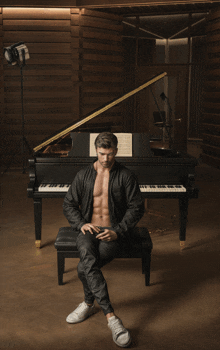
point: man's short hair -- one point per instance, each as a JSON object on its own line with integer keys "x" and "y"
{"x": 106, "y": 140}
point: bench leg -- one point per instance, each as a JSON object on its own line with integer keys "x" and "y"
{"x": 146, "y": 261}
{"x": 60, "y": 267}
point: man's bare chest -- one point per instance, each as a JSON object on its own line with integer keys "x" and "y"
{"x": 101, "y": 185}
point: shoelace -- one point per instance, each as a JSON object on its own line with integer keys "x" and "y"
{"x": 80, "y": 308}
{"x": 117, "y": 327}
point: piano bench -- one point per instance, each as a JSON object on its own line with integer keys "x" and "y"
{"x": 140, "y": 247}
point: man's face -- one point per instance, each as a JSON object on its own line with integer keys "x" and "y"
{"x": 106, "y": 156}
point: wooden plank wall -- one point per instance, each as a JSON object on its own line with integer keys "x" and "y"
{"x": 196, "y": 86}
{"x": 74, "y": 57}
{"x": 100, "y": 64}
{"x": 1, "y": 75}
{"x": 211, "y": 105}
{"x": 2, "y": 141}
{"x": 49, "y": 97}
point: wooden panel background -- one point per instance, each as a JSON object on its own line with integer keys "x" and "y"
{"x": 74, "y": 57}
{"x": 1, "y": 84}
{"x": 100, "y": 65}
{"x": 211, "y": 104}
{"x": 50, "y": 99}
{"x": 196, "y": 89}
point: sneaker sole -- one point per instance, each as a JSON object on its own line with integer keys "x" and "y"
{"x": 123, "y": 346}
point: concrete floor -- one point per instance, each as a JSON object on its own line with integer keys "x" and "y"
{"x": 180, "y": 309}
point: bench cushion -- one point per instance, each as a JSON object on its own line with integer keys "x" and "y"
{"x": 66, "y": 239}
{"x": 140, "y": 239}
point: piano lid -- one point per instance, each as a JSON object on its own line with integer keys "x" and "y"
{"x": 97, "y": 112}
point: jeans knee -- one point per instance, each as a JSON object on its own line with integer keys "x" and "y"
{"x": 86, "y": 247}
{"x": 83, "y": 241}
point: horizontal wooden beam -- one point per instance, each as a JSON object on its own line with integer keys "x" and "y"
{"x": 211, "y": 128}
{"x": 98, "y": 3}
{"x": 211, "y": 139}
{"x": 211, "y": 118}
{"x": 28, "y": 13}
{"x": 210, "y": 160}
{"x": 210, "y": 149}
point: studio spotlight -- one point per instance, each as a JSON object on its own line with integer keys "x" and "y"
{"x": 16, "y": 52}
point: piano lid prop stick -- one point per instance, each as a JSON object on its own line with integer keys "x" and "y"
{"x": 95, "y": 114}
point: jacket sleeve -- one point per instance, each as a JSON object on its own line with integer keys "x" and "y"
{"x": 135, "y": 208}
{"x": 72, "y": 202}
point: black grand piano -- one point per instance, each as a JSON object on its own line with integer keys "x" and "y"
{"x": 162, "y": 173}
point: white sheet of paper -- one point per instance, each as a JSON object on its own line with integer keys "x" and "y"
{"x": 124, "y": 144}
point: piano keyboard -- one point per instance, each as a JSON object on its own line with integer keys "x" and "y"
{"x": 143, "y": 188}
{"x": 53, "y": 188}
{"x": 162, "y": 188}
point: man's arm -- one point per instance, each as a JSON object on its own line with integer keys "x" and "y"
{"x": 71, "y": 204}
{"x": 135, "y": 207}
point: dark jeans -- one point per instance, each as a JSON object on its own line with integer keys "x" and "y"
{"x": 94, "y": 254}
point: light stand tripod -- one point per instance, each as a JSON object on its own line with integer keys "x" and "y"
{"x": 23, "y": 138}
{"x": 13, "y": 54}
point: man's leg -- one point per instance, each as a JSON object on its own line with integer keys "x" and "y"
{"x": 89, "y": 297}
{"x": 93, "y": 255}
{"x": 120, "y": 334}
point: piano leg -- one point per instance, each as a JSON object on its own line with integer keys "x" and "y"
{"x": 183, "y": 211}
{"x": 38, "y": 221}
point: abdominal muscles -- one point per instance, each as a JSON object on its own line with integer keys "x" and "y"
{"x": 100, "y": 215}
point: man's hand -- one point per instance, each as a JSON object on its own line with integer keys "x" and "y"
{"x": 107, "y": 236}
{"x": 91, "y": 228}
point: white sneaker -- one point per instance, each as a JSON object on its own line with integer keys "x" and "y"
{"x": 82, "y": 312}
{"x": 120, "y": 334}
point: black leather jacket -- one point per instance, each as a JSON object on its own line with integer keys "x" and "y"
{"x": 126, "y": 205}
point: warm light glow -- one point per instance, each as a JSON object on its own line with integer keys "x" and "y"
{"x": 161, "y": 42}
{"x": 181, "y": 41}
{"x": 36, "y": 11}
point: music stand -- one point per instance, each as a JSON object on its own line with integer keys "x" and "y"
{"x": 160, "y": 122}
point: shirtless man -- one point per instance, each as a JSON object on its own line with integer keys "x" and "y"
{"x": 103, "y": 204}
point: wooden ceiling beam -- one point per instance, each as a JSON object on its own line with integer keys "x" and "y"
{"x": 100, "y": 3}
{"x": 132, "y": 3}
